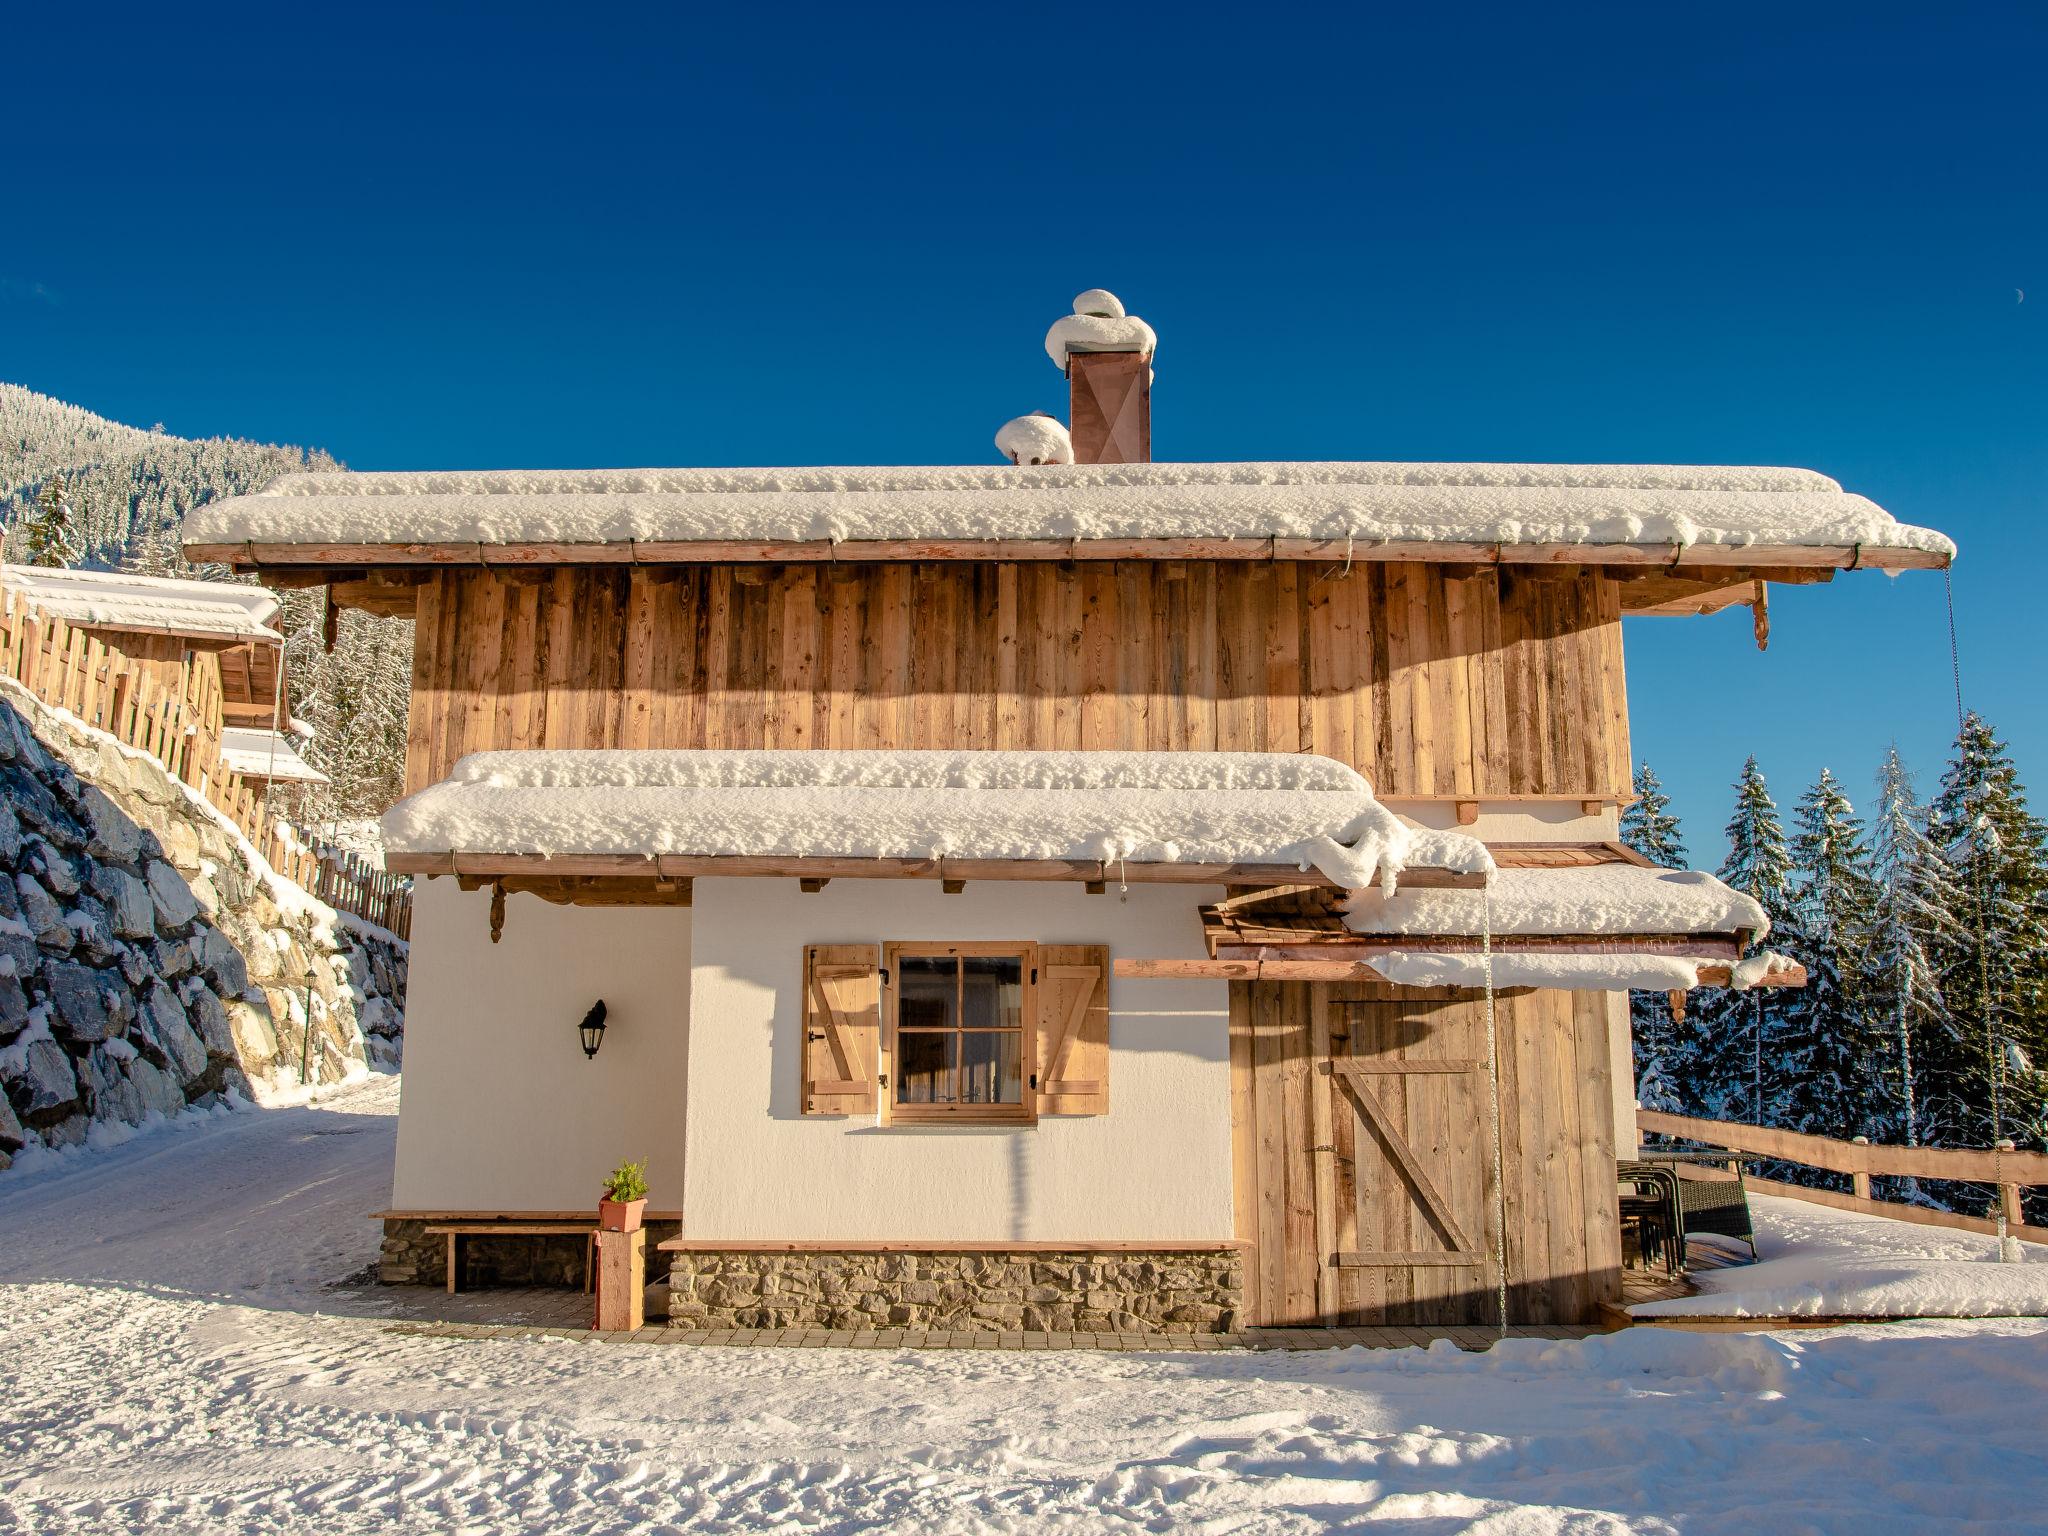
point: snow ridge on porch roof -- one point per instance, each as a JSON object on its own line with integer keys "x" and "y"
{"x": 1114, "y": 808}
{"x": 1500, "y": 505}
{"x": 144, "y": 604}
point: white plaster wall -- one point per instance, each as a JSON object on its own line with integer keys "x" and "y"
{"x": 499, "y": 1109}
{"x": 1156, "y": 1166}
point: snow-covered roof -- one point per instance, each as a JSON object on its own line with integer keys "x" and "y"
{"x": 1651, "y": 510}
{"x": 260, "y": 754}
{"x": 1616, "y": 899}
{"x": 1631, "y": 972}
{"x": 150, "y": 604}
{"x": 1207, "y": 808}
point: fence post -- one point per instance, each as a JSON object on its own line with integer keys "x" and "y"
{"x": 1859, "y": 1181}
{"x": 2009, "y": 1194}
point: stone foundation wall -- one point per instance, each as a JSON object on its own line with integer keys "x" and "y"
{"x": 980, "y": 1290}
{"x": 413, "y": 1256}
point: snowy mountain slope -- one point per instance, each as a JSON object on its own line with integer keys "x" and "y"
{"x": 129, "y": 489}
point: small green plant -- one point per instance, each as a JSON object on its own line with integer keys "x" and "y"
{"x": 627, "y": 1182}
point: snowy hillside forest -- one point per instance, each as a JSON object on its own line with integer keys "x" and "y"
{"x": 112, "y": 497}
{"x": 1923, "y": 927}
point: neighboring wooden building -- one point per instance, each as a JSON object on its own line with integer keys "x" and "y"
{"x": 213, "y": 640}
{"x": 979, "y": 869}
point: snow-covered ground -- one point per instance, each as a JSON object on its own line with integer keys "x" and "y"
{"x": 1818, "y": 1262}
{"x": 165, "y": 1365}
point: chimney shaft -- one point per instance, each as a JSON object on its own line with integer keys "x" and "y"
{"x": 1111, "y": 407}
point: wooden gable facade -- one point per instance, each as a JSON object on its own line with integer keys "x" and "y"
{"x": 1434, "y": 681}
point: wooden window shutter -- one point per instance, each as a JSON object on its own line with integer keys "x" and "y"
{"x": 842, "y": 1028}
{"x": 1073, "y": 1029}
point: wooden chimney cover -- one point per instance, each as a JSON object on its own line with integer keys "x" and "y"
{"x": 1111, "y": 407}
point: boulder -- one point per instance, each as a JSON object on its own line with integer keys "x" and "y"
{"x": 179, "y": 842}
{"x": 11, "y": 1133}
{"x": 47, "y": 1076}
{"x": 205, "y": 894}
{"x": 254, "y": 1035}
{"x": 129, "y": 910}
{"x": 92, "y": 940}
{"x": 163, "y": 1017}
{"x": 175, "y": 907}
{"x": 171, "y": 957}
{"x": 159, "y": 1094}
{"x": 59, "y": 876}
{"x": 81, "y": 1000}
{"x": 205, "y": 1013}
{"x": 10, "y": 836}
{"x": 13, "y": 1006}
{"x": 18, "y": 951}
{"x": 45, "y": 919}
{"x": 108, "y": 1090}
{"x": 219, "y": 958}
{"x": 68, "y": 1132}
{"x": 113, "y": 838}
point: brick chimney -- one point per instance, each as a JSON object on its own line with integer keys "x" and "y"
{"x": 1107, "y": 357}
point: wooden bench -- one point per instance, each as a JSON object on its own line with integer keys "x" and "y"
{"x": 456, "y": 1231}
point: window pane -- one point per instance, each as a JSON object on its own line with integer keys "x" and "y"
{"x": 991, "y": 1067}
{"x": 992, "y": 992}
{"x": 927, "y": 991}
{"x": 924, "y": 1066}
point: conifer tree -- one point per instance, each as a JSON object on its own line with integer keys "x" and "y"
{"x": 1664, "y": 1048}
{"x": 1649, "y": 826}
{"x": 1994, "y": 973}
{"x": 1824, "y": 1067}
{"x": 1737, "y": 1031}
{"x": 44, "y": 535}
{"x": 1915, "y": 902}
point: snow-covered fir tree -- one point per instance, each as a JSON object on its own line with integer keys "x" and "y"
{"x": 1825, "y": 1059}
{"x": 1649, "y": 826}
{"x": 1729, "y": 1036}
{"x": 1994, "y": 971}
{"x": 1664, "y": 1047}
{"x": 1915, "y": 902}
{"x": 43, "y": 534}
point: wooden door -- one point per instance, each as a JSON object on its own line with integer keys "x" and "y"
{"x": 1362, "y": 1139}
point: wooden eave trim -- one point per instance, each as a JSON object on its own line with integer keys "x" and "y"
{"x": 1703, "y": 558}
{"x": 688, "y": 1244}
{"x": 1134, "y": 968}
{"x": 671, "y": 866}
{"x": 1701, "y": 946}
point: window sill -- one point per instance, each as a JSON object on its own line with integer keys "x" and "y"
{"x": 966, "y": 1114}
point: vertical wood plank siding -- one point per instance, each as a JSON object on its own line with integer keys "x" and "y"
{"x": 1429, "y": 680}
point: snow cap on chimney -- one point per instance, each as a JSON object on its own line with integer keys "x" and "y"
{"x": 1098, "y": 324}
{"x": 1035, "y": 439}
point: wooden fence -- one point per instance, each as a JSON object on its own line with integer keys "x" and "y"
{"x": 165, "y": 700}
{"x": 2008, "y": 1172}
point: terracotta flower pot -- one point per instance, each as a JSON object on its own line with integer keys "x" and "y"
{"x": 620, "y": 1215}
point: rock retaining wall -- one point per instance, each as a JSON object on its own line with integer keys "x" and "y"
{"x": 146, "y": 961}
{"x": 1148, "y": 1291}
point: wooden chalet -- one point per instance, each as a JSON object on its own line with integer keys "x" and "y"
{"x": 1092, "y": 895}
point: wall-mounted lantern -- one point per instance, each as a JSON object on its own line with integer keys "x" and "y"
{"x": 592, "y": 1028}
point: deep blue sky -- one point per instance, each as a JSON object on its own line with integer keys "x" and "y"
{"x": 425, "y": 237}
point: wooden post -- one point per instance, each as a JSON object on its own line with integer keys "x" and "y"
{"x": 2009, "y": 1194}
{"x": 621, "y": 1280}
{"x": 1859, "y": 1179}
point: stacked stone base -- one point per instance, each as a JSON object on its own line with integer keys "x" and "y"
{"x": 960, "y": 1290}
{"x": 414, "y": 1256}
